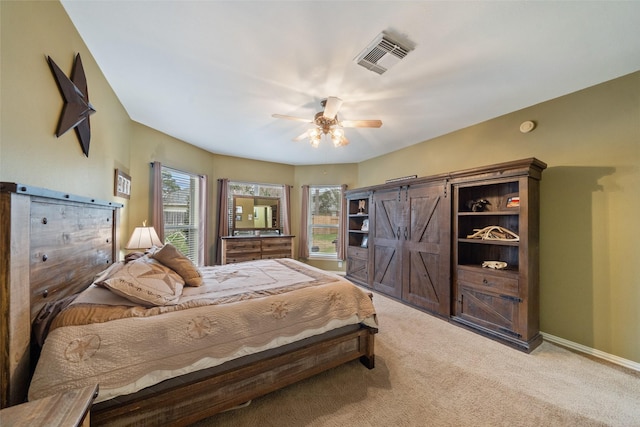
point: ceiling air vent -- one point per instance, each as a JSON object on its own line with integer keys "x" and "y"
{"x": 383, "y": 53}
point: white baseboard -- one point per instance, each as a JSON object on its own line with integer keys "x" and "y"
{"x": 592, "y": 351}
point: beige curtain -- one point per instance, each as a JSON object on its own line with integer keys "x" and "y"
{"x": 157, "y": 211}
{"x": 203, "y": 222}
{"x": 286, "y": 210}
{"x": 223, "y": 215}
{"x": 303, "y": 240}
{"x": 342, "y": 225}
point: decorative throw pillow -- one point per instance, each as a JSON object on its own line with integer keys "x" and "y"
{"x": 146, "y": 282}
{"x": 170, "y": 256}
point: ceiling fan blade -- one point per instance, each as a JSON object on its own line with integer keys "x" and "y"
{"x": 301, "y": 137}
{"x": 331, "y": 107}
{"x": 299, "y": 119}
{"x": 361, "y": 123}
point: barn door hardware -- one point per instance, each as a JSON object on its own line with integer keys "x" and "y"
{"x": 510, "y": 298}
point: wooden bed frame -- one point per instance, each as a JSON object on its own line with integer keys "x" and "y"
{"x": 53, "y": 244}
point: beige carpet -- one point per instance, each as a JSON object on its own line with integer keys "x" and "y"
{"x": 431, "y": 373}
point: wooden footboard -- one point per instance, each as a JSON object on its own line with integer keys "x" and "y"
{"x": 186, "y": 400}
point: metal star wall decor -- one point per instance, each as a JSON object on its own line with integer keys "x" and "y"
{"x": 77, "y": 108}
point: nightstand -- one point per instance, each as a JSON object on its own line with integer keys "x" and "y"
{"x": 66, "y": 409}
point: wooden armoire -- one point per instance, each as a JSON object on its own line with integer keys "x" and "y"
{"x": 421, "y": 249}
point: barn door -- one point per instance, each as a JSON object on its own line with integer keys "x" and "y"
{"x": 426, "y": 249}
{"x": 387, "y": 233}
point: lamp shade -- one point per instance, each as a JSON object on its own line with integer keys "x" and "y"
{"x": 143, "y": 238}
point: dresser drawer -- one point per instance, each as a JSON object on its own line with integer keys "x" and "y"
{"x": 276, "y": 247}
{"x": 242, "y": 245}
{"x": 241, "y": 257}
{"x": 489, "y": 281}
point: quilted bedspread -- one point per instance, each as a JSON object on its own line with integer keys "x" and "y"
{"x": 241, "y": 309}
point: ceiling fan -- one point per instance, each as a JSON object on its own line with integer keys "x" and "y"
{"x": 327, "y": 123}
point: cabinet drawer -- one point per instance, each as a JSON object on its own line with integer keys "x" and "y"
{"x": 495, "y": 282}
{"x": 489, "y": 310}
{"x": 357, "y": 269}
{"x": 355, "y": 252}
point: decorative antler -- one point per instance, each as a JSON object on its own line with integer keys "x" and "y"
{"x": 494, "y": 232}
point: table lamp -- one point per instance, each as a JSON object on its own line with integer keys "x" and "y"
{"x": 143, "y": 238}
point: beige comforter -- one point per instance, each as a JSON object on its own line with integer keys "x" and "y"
{"x": 241, "y": 309}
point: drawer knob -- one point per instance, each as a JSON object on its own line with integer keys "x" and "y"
{"x": 485, "y": 281}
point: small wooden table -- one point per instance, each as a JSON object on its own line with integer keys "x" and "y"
{"x": 66, "y": 409}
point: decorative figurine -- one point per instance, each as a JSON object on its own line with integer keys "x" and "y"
{"x": 361, "y": 206}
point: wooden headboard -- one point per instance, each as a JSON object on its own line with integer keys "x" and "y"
{"x": 52, "y": 245}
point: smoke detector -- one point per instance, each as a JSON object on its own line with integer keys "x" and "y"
{"x": 383, "y": 52}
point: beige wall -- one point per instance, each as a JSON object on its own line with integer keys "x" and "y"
{"x": 590, "y": 278}
{"x": 589, "y": 269}
{"x": 30, "y": 153}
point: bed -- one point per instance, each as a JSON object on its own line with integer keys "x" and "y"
{"x": 59, "y": 250}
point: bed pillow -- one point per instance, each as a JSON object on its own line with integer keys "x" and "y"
{"x": 145, "y": 281}
{"x": 170, "y": 256}
{"x": 132, "y": 256}
{"x": 42, "y": 322}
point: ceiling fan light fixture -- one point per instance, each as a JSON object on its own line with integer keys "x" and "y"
{"x": 327, "y": 123}
{"x": 315, "y": 135}
{"x": 315, "y": 141}
{"x": 341, "y": 142}
{"x": 337, "y": 135}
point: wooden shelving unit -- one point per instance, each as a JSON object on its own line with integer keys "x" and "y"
{"x": 358, "y": 205}
{"x": 419, "y": 248}
{"x": 500, "y": 303}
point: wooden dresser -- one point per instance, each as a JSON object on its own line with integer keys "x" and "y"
{"x": 249, "y": 248}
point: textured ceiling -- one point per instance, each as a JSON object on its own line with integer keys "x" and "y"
{"x": 211, "y": 73}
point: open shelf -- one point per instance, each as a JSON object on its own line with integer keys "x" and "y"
{"x": 491, "y": 213}
{"x": 358, "y": 205}
{"x": 489, "y": 242}
{"x": 358, "y": 221}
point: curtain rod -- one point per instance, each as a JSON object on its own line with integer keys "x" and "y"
{"x": 254, "y": 183}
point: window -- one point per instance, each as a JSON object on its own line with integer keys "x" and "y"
{"x": 181, "y": 207}
{"x": 324, "y": 220}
